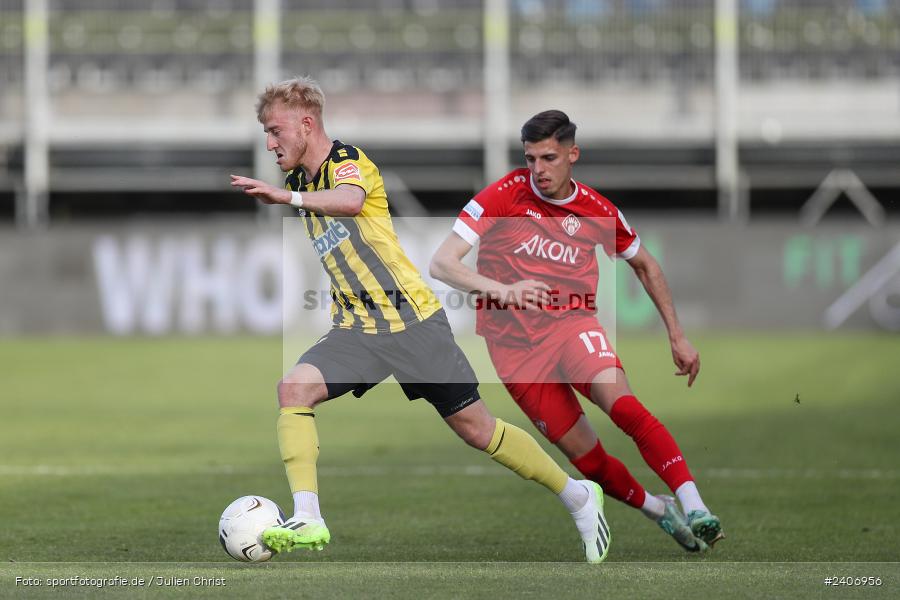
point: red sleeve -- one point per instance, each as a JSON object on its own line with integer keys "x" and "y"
{"x": 613, "y": 232}
{"x": 627, "y": 241}
{"x": 482, "y": 211}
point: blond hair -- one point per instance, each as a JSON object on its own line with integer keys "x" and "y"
{"x": 299, "y": 92}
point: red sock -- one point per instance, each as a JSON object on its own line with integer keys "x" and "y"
{"x": 653, "y": 440}
{"x": 612, "y": 475}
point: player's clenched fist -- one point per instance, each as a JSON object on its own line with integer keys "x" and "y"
{"x": 262, "y": 191}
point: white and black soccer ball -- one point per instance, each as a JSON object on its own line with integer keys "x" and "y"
{"x": 242, "y": 524}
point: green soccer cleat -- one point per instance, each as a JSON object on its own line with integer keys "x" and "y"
{"x": 297, "y": 532}
{"x": 705, "y": 526}
{"x": 674, "y": 523}
{"x": 592, "y": 526}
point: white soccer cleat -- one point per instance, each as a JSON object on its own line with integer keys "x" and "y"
{"x": 592, "y": 526}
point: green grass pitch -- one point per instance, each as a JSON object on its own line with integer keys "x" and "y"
{"x": 119, "y": 455}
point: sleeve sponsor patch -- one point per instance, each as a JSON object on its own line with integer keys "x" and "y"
{"x": 473, "y": 209}
{"x": 347, "y": 171}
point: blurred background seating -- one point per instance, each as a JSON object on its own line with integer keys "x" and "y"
{"x": 819, "y": 89}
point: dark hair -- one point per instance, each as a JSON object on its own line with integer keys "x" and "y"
{"x": 547, "y": 124}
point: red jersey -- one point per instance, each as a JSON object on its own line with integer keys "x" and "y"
{"x": 525, "y": 235}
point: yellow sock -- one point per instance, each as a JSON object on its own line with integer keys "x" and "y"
{"x": 299, "y": 444}
{"x": 518, "y": 452}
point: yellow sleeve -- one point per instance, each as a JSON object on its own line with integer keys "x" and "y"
{"x": 352, "y": 171}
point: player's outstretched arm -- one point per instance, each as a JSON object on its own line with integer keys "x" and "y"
{"x": 650, "y": 274}
{"x": 447, "y": 266}
{"x": 343, "y": 201}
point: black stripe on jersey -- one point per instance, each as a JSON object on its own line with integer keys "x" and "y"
{"x": 380, "y": 272}
{"x": 326, "y": 185}
{"x": 297, "y": 181}
{"x": 381, "y": 323}
{"x": 293, "y": 180}
{"x": 406, "y": 294}
{"x": 323, "y": 170}
{"x": 362, "y": 293}
{"x": 344, "y": 298}
{"x": 341, "y": 300}
{"x": 366, "y": 254}
{"x": 339, "y": 257}
{"x": 400, "y": 293}
{"x": 344, "y": 305}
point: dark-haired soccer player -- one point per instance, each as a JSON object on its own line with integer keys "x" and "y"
{"x": 538, "y": 226}
{"x": 386, "y": 320}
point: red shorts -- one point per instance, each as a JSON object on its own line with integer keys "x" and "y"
{"x": 540, "y": 378}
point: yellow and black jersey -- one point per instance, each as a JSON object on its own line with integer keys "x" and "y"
{"x": 375, "y": 287}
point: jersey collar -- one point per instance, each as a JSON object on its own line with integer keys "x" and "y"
{"x": 298, "y": 175}
{"x": 323, "y": 168}
{"x": 537, "y": 192}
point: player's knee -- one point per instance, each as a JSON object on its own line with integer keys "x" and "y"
{"x": 294, "y": 393}
{"x": 475, "y": 433}
{"x": 302, "y": 386}
{"x": 607, "y": 387}
{"x": 480, "y": 439}
{"x": 473, "y": 424}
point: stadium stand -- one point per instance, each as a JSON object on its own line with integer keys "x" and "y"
{"x": 637, "y": 75}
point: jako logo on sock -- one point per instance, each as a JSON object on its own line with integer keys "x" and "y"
{"x": 671, "y": 462}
